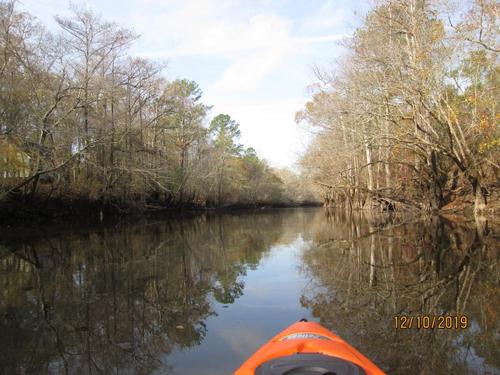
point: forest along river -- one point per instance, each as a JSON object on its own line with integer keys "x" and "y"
{"x": 198, "y": 295}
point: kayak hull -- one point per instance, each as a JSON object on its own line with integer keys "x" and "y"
{"x": 307, "y": 338}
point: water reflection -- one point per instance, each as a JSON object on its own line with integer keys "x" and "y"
{"x": 366, "y": 270}
{"x": 199, "y": 295}
{"x": 117, "y": 299}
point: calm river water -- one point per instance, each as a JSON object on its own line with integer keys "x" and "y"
{"x": 198, "y": 295}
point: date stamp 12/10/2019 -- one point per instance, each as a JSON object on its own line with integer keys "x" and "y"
{"x": 431, "y": 321}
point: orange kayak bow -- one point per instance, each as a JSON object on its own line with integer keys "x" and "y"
{"x": 307, "y": 348}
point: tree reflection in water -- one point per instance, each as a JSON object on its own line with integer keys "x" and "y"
{"x": 120, "y": 298}
{"x": 112, "y": 300}
{"x": 365, "y": 270}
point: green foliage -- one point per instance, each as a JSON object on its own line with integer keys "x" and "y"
{"x": 225, "y": 133}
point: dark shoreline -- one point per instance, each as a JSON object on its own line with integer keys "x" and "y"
{"x": 32, "y": 212}
{"x": 38, "y": 211}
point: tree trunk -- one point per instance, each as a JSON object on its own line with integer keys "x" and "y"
{"x": 221, "y": 178}
{"x": 388, "y": 177}
{"x": 479, "y": 197}
{"x": 436, "y": 194}
{"x": 369, "y": 161}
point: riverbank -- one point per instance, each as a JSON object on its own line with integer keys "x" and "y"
{"x": 40, "y": 210}
{"x": 32, "y": 211}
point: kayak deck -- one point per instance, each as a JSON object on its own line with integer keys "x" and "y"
{"x": 307, "y": 348}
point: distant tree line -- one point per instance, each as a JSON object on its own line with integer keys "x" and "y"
{"x": 409, "y": 117}
{"x": 80, "y": 118}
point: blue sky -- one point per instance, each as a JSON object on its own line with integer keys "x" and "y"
{"x": 252, "y": 58}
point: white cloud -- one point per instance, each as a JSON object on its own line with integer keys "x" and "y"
{"x": 202, "y": 27}
{"x": 249, "y": 70}
{"x": 260, "y": 47}
{"x": 321, "y": 39}
{"x": 262, "y": 31}
{"x": 270, "y": 128}
{"x": 242, "y": 340}
{"x": 328, "y": 16}
{"x": 254, "y": 42}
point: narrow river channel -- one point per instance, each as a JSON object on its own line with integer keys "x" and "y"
{"x": 198, "y": 295}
